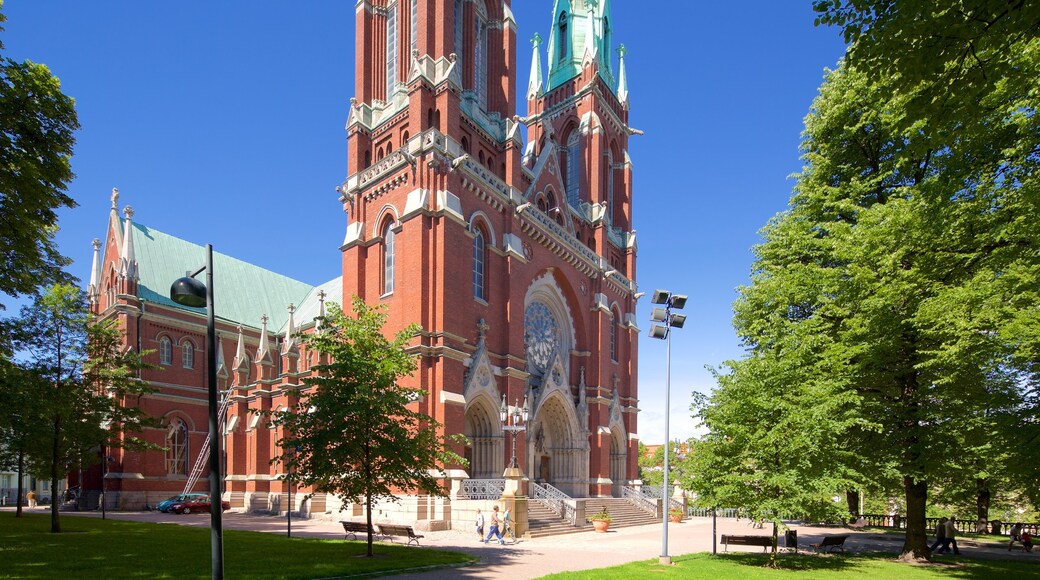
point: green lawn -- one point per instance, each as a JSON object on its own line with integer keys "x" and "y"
{"x": 93, "y": 548}
{"x": 751, "y": 567}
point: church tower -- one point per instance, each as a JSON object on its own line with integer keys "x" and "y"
{"x": 517, "y": 261}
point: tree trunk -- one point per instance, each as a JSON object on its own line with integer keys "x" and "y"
{"x": 368, "y": 516}
{"x": 852, "y": 498}
{"x": 915, "y": 546}
{"x": 982, "y": 498}
{"x": 55, "y": 448}
{"x": 21, "y": 486}
{"x": 772, "y": 553}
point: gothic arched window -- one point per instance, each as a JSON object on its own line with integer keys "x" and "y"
{"x": 459, "y": 19}
{"x": 615, "y": 319}
{"x": 388, "y": 258}
{"x": 609, "y": 178}
{"x": 165, "y": 351}
{"x": 414, "y": 22}
{"x": 177, "y": 448}
{"x": 391, "y": 49}
{"x": 573, "y": 167}
{"x": 561, "y": 46}
{"x": 187, "y": 354}
{"x": 480, "y": 54}
{"x": 479, "y": 265}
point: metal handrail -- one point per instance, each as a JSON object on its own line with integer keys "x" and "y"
{"x": 641, "y": 500}
{"x": 556, "y": 501}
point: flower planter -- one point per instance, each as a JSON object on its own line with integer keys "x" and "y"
{"x": 600, "y": 525}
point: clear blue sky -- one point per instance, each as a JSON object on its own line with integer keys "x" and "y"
{"x": 223, "y": 122}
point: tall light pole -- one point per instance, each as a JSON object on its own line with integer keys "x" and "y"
{"x": 663, "y": 331}
{"x": 188, "y": 291}
{"x": 519, "y": 418}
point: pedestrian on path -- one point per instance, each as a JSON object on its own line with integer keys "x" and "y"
{"x": 940, "y": 537}
{"x": 494, "y": 527}
{"x": 31, "y": 498}
{"x": 507, "y": 524}
{"x": 480, "y": 526}
{"x": 951, "y": 536}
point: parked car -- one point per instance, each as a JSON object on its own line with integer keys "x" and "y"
{"x": 196, "y": 505}
{"x": 164, "y": 505}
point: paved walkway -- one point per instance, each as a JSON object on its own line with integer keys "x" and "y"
{"x": 583, "y": 551}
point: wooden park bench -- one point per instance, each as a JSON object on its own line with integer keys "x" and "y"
{"x": 390, "y": 530}
{"x": 355, "y": 528}
{"x": 765, "y": 541}
{"x": 831, "y": 544}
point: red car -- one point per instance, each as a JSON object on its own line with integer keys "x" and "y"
{"x": 196, "y": 505}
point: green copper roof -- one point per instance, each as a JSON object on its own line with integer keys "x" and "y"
{"x": 243, "y": 292}
{"x": 584, "y": 25}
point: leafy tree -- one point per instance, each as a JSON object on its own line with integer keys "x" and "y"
{"x": 83, "y": 384}
{"x": 354, "y": 430}
{"x": 774, "y": 437}
{"x": 22, "y": 425}
{"x": 37, "y": 123}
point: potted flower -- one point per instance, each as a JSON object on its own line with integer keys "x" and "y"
{"x": 675, "y": 515}
{"x": 601, "y": 520}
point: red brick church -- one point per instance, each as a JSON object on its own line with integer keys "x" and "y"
{"x": 508, "y": 239}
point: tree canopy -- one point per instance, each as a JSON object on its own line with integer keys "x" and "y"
{"x": 37, "y": 126}
{"x": 354, "y": 430}
{"x": 892, "y": 307}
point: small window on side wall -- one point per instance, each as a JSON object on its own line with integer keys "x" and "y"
{"x": 188, "y": 355}
{"x": 165, "y": 351}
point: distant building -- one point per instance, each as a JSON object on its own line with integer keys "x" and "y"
{"x": 517, "y": 258}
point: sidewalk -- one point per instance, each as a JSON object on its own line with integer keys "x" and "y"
{"x": 582, "y": 551}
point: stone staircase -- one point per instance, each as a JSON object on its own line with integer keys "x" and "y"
{"x": 543, "y": 522}
{"x": 623, "y": 512}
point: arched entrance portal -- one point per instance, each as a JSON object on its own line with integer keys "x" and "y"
{"x": 618, "y": 461}
{"x": 559, "y": 455}
{"x": 485, "y": 451}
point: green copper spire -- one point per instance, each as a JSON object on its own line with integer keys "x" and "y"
{"x": 534, "y": 86}
{"x": 622, "y": 83}
{"x": 579, "y": 28}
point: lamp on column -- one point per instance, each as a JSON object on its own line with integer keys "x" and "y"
{"x": 188, "y": 291}
{"x": 514, "y": 421}
{"x": 663, "y": 331}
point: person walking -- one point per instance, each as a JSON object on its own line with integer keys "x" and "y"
{"x": 493, "y": 531}
{"x": 507, "y": 524}
{"x": 940, "y": 537}
{"x": 480, "y": 526}
{"x": 31, "y": 498}
{"x": 951, "y": 536}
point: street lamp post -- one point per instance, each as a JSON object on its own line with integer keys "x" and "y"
{"x": 663, "y": 331}
{"x": 188, "y": 291}
{"x": 519, "y": 420}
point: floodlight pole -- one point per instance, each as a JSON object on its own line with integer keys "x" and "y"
{"x": 665, "y": 558}
{"x": 669, "y": 320}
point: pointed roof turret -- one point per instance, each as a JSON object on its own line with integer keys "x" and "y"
{"x": 263, "y": 354}
{"x": 241, "y": 362}
{"x": 222, "y": 370}
{"x": 115, "y": 225}
{"x": 127, "y": 260}
{"x": 289, "y": 346}
{"x": 94, "y": 288}
{"x": 622, "y": 84}
{"x": 534, "y": 86}
{"x": 321, "y": 311}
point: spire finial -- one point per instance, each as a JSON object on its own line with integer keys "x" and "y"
{"x": 115, "y": 198}
{"x": 482, "y": 328}
{"x": 96, "y": 244}
{"x": 622, "y": 88}
{"x": 128, "y": 211}
{"x": 534, "y": 86}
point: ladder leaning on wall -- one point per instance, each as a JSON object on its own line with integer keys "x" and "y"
{"x": 200, "y": 461}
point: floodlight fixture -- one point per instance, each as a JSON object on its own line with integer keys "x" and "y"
{"x": 661, "y": 297}
{"x": 677, "y": 320}
{"x": 678, "y": 301}
{"x": 659, "y": 331}
{"x": 658, "y": 315}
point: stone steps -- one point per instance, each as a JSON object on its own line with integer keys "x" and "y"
{"x": 543, "y": 522}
